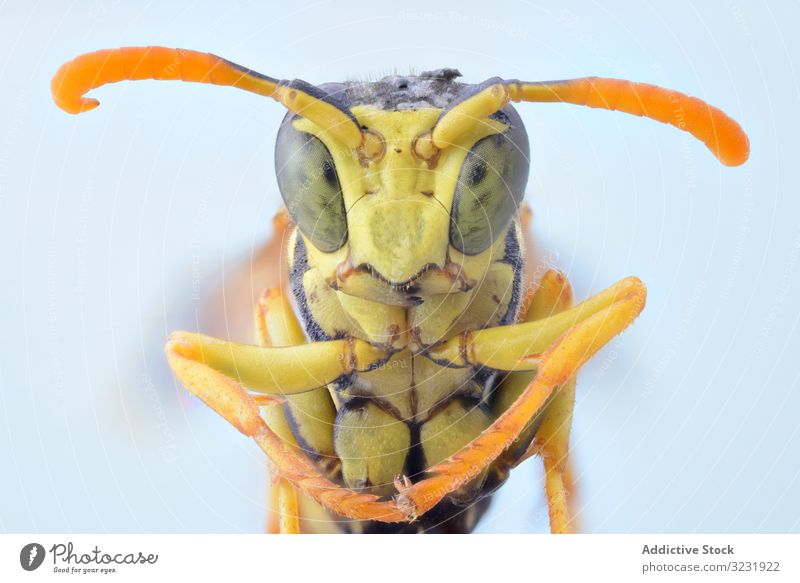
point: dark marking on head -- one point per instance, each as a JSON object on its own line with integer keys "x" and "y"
{"x": 437, "y": 89}
{"x": 299, "y": 266}
{"x": 512, "y": 255}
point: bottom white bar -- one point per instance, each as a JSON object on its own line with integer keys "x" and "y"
{"x": 385, "y": 559}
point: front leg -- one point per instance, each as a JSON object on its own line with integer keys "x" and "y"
{"x": 284, "y": 370}
{"x": 552, "y": 436}
{"x": 520, "y": 347}
{"x": 556, "y": 366}
{"x": 585, "y": 330}
{"x": 549, "y": 434}
{"x": 308, "y": 416}
{"x": 201, "y": 362}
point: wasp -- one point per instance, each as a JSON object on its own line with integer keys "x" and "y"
{"x": 403, "y": 371}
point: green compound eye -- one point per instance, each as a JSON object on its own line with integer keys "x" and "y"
{"x": 490, "y": 187}
{"x": 310, "y": 188}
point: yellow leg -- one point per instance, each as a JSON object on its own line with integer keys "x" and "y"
{"x": 521, "y": 346}
{"x": 289, "y": 521}
{"x": 554, "y": 295}
{"x": 282, "y": 370}
{"x": 560, "y": 492}
{"x": 593, "y": 324}
{"x": 557, "y": 505}
{"x": 557, "y": 365}
{"x": 229, "y": 398}
{"x": 273, "y": 508}
{"x": 551, "y": 441}
{"x": 276, "y": 326}
{"x": 312, "y": 413}
{"x": 570, "y": 486}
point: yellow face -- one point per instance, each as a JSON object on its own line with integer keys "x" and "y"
{"x": 407, "y": 198}
{"x": 384, "y": 223}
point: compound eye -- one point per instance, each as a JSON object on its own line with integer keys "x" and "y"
{"x": 310, "y": 188}
{"x": 491, "y": 185}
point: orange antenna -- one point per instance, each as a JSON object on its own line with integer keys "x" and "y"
{"x": 91, "y": 70}
{"x": 721, "y": 134}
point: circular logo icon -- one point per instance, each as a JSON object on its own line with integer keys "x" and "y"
{"x": 31, "y": 556}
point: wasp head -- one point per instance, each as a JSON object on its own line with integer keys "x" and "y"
{"x": 408, "y": 213}
{"x": 401, "y": 188}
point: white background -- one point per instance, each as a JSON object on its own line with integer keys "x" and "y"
{"x": 125, "y": 223}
